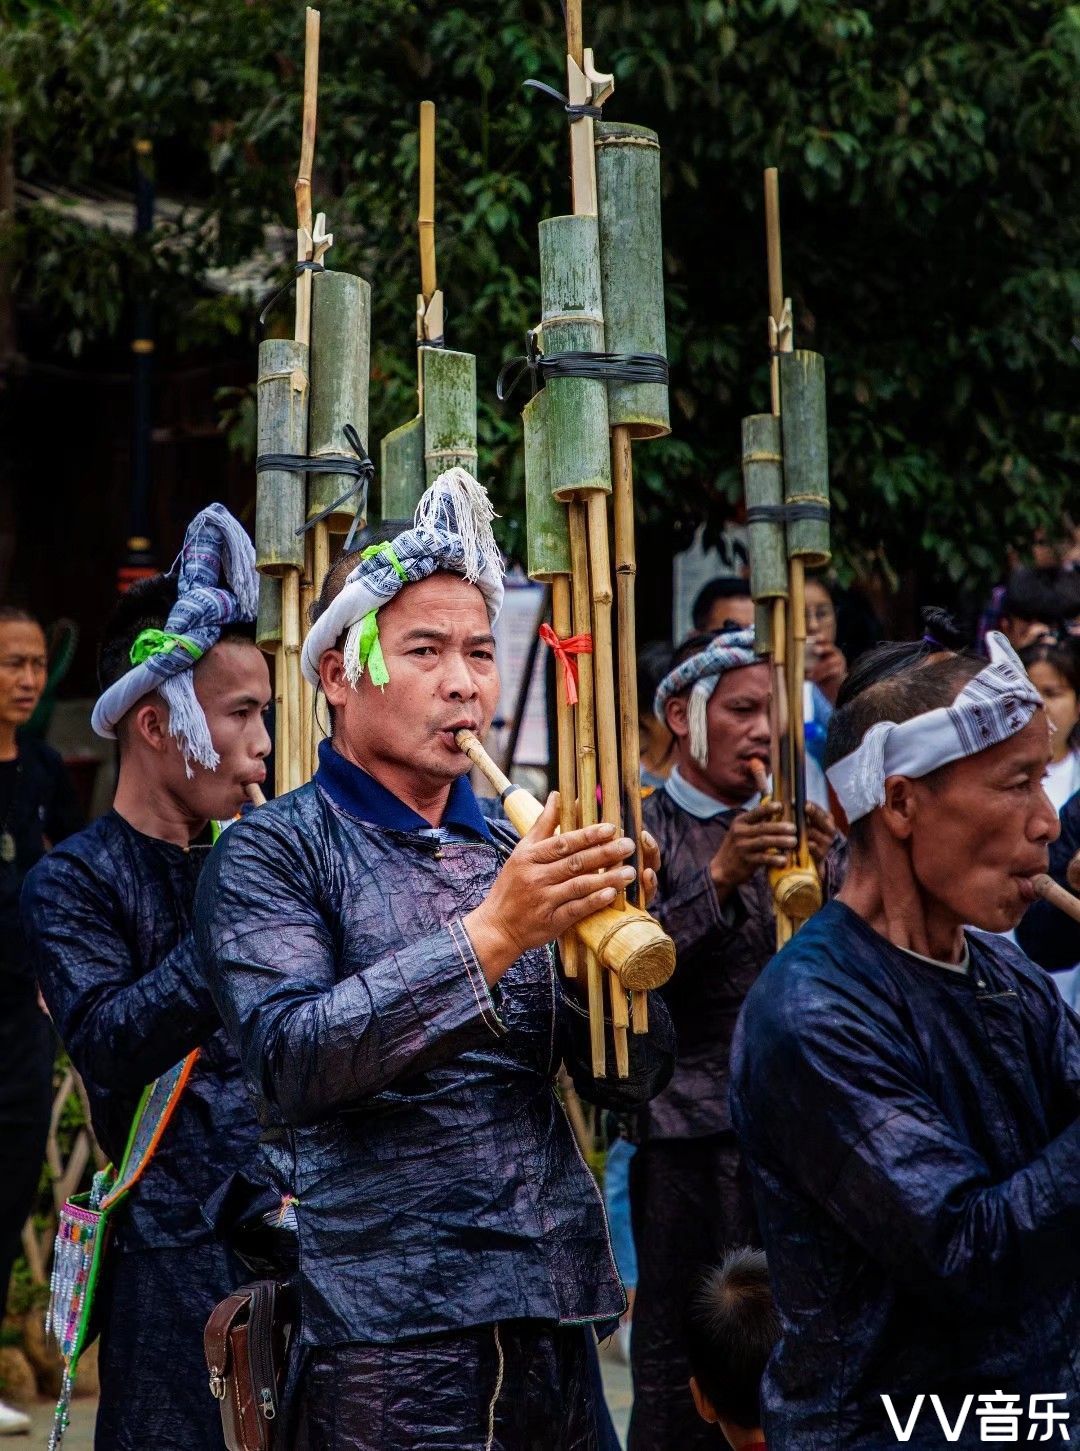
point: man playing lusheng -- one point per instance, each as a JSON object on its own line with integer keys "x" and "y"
{"x": 717, "y": 841}
{"x": 108, "y": 919}
{"x": 382, "y": 959}
{"x": 905, "y": 1089}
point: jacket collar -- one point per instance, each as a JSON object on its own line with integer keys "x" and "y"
{"x": 359, "y": 794}
{"x": 697, "y": 803}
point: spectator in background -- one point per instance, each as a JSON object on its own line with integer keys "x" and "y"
{"x": 826, "y": 666}
{"x": 657, "y": 742}
{"x": 37, "y": 809}
{"x": 725, "y": 598}
{"x": 1038, "y": 602}
{"x": 1053, "y": 663}
{"x": 731, "y": 1329}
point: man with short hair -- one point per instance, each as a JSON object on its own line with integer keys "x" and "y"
{"x": 382, "y": 956}
{"x": 108, "y": 917}
{"x": 721, "y": 603}
{"x": 38, "y": 808}
{"x": 905, "y": 1089}
{"x": 717, "y": 841}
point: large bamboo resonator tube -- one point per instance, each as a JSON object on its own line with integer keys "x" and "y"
{"x": 627, "y": 941}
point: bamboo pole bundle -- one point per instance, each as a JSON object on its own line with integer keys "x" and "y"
{"x": 443, "y": 433}
{"x": 785, "y": 472}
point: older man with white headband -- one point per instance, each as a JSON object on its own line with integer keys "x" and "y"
{"x": 382, "y": 955}
{"x": 906, "y": 1088}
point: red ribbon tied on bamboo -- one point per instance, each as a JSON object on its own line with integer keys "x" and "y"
{"x": 564, "y": 651}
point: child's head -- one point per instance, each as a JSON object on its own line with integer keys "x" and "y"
{"x": 731, "y": 1328}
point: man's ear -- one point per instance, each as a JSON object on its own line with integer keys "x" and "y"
{"x": 335, "y": 682}
{"x": 676, "y": 717}
{"x": 702, "y": 1404}
{"x": 149, "y": 723}
{"x": 899, "y": 810}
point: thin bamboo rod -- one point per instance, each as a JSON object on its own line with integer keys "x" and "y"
{"x": 562, "y": 622}
{"x": 290, "y": 639}
{"x": 622, "y": 496}
{"x": 320, "y": 569}
{"x": 302, "y": 186}
{"x": 307, "y": 693}
{"x": 425, "y": 220}
{"x": 282, "y": 778}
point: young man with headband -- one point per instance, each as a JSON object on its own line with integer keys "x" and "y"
{"x": 717, "y": 841}
{"x": 382, "y": 957}
{"x": 108, "y": 918}
{"x": 905, "y": 1087}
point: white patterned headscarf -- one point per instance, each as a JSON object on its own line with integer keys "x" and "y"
{"x": 451, "y": 531}
{"x": 994, "y": 705}
{"x": 217, "y": 586}
{"x": 729, "y": 651}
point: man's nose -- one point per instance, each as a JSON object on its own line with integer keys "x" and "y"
{"x": 264, "y": 743}
{"x": 1044, "y": 824}
{"x": 760, "y": 729}
{"x": 458, "y": 681}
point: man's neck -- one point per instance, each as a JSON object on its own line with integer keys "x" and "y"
{"x": 694, "y": 776}
{"x": 9, "y": 747}
{"x": 428, "y": 798}
{"x": 146, "y": 806}
{"x": 888, "y": 898}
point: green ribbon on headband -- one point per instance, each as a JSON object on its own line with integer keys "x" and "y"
{"x": 149, "y": 643}
{"x": 369, "y": 646}
{"x": 388, "y": 549}
{"x": 369, "y": 649}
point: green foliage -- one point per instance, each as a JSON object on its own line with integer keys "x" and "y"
{"x": 931, "y": 217}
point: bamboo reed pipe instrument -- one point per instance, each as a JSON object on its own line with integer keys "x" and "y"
{"x": 626, "y": 941}
{"x": 1052, "y": 892}
{"x": 785, "y": 473}
{"x": 443, "y": 433}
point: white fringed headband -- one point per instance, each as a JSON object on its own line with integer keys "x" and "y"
{"x": 451, "y": 531}
{"x": 730, "y": 651}
{"x": 217, "y": 586}
{"x": 994, "y": 705}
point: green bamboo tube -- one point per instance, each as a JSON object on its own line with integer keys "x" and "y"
{"x": 402, "y": 472}
{"x": 762, "y": 627}
{"x": 449, "y": 411}
{"x": 340, "y": 369}
{"x": 546, "y": 529}
{"x": 806, "y": 452}
{"x": 632, "y": 268}
{"x": 282, "y": 428}
{"x": 763, "y": 481}
{"x": 268, "y": 621}
{"x": 572, "y": 320}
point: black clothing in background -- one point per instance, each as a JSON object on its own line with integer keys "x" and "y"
{"x": 1046, "y": 934}
{"x": 38, "y": 808}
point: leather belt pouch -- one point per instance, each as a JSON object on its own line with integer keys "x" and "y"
{"x": 245, "y": 1341}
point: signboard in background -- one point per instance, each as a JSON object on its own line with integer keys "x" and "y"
{"x": 522, "y": 615}
{"x": 695, "y": 566}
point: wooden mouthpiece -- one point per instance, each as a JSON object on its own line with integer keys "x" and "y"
{"x": 255, "y": 793}
{"x": 761, "y": 776}
{"x": 626, "y": 940}
{"x": 1051, "y": 892}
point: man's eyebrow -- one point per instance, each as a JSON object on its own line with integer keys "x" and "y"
{"x": 429, "y": 632}
{"x": 245, "y": 702}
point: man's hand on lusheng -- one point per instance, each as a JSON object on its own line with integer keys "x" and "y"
{"x": 548, "y": 884}
{"x": 820, "y": 832}
{"x": 757, "y": 838}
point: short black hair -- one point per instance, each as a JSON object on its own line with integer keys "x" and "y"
{"x": 1050, "y": 596}
{"x": 896, "y": 681}
{"x": 731, "y": 1327}
{"x": 723, "y": 587}
{"x": 13, "y": 614}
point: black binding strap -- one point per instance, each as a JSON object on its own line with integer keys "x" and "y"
{"x": 357, "y": 464}
{"x": 604, "y": 367}
{"x": 575, "y": 112}
{"x": 276, "y": 297}
{"x": 787, "y": 513}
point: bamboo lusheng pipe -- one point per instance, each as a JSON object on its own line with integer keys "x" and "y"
{"x": 627, "y": 941}
{"x": 1057, "y": 895}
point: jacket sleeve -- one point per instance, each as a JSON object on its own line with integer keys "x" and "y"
{"x": 652, "y": 1055}
{"x": 318, "y": 1032}
{"x": 121, "y": 1029}
{"x": 1045, "y": 933}
{"x": 841, "y": 1105}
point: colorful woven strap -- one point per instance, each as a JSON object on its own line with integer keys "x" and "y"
{"x": 159, "y": 642}
{"x": 564, "y": 651}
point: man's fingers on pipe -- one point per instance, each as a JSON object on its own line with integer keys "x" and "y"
{"x": 586, "y": 884}
{"x": 581, "y": 907}
{"x": 557, "y": 847}
{"x": 594, "y": 859}
{"x": 543, "y": 828}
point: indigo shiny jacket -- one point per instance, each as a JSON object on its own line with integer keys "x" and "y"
{"x": 1046, "y": 933}
{"x": 108, "y": 923}
{"x": 409, "y": 1108}
{"x": 913, "y": 1139}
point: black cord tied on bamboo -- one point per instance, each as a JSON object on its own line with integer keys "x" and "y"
{"x": 439, "y": 342}
{"x": 356, "y": 463}
{"x": 788, "y": 513}
{"x": 575, "y": 112}
{"x": 300, "y": 268}
{"x": 603, "y": 367}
